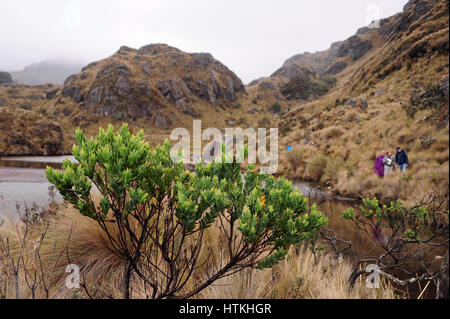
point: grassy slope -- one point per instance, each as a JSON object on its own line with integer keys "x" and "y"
{"x": 349, "y": 139}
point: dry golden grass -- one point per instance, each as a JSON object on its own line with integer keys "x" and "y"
{"x": 74, "y": 239}
{"x": 301, "y": 276}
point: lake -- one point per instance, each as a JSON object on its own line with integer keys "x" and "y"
{"x": 23, "y": 182}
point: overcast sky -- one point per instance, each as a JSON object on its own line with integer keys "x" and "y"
{"x": 252, "y": 37}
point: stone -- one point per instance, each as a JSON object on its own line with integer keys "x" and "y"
{"x": 73, "y": 92}
{"x": 355, "y": 47}
{"x": 174, "y": 89}
{"x": 160, "y": 120}
{"x": 358, "y": 102}
{"x": 95, "y": 95}
{"x": 266, "y": 85}
{"x": 70, "y": 78}
{"x": 51, "y": 94}
{"x": 336, "y": 67}
{"x": 123, "y": 86}
{"x": 25, "y": 106}
{"x": 147, "y": 68}
{"x": 444, "y": 86}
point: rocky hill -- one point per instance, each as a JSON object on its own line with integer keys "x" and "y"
{"x": 157, "y": 82}
{"x": 154, "y": 87}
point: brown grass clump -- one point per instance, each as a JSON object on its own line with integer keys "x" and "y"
{"x": 301, "y": 276}
{"x": 316, "y": 168}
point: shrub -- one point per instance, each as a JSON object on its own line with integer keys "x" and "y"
{"x": 432, "y": 97}
{"x": 264, "y": 122}
{"x": 402, "y": 233}
{"x": 332, "y": 169}
{"x": 302, "y": 88}
{"x": 296, "y": 158}
{"x": 333, "y": 132}
{"x": 161, "y": 211}
{"x": 426, "y": 141}
{"x": 285, "y": 127}
{"x": 275, "y": 108}
{"x": 329, "y": 80}
{"x": 316, "y": 167}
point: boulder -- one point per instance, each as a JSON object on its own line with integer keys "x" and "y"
{"x": 161, "y": 120}
{"x": 73, "y": 92}
{"x": 358, "y": 102}
{"x": 355, "y": 47}
{"x": 336, "y": 67}
{"x": 51, "y": 94}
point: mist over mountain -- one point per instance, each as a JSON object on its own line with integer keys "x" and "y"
{"x": 49, "y": 71}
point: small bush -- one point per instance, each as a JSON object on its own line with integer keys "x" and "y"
{"x": 316, "y": 168}
{"x": 431, "y": 97}
{"x": 334, "y": 132}
{"x": 302, "y": 88}
{"x": 296, "y": 158}
{"x": 275, "y": 108}
{"x": 285, "y": 128}
{"x": 332, "y": 169}
{"x": 329, "y": 80}
{"x": 427, "y": 141}
{"x": 264, "y": 122}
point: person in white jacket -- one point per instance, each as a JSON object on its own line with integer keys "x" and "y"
{"x": 388, "y": 162}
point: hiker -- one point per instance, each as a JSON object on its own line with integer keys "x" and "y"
{"x": 388, "y": 162}
{"x": 379, "y": 166}
{"x": 401, "y": 158}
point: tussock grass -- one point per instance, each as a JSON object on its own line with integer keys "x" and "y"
{"x": 301, "y": 276}
{"x": 70, "y": 238}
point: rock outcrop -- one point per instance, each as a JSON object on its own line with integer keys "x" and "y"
{"x": 5, "y": 78}
{"x": 355, "y": 47}
{"x": 25, "y": 132}
{"x": 143, "y": 83}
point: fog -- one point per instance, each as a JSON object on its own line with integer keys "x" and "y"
{"x": 252, "y": 37}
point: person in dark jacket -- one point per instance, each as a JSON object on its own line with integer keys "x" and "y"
{"x": 401, "y": 158}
